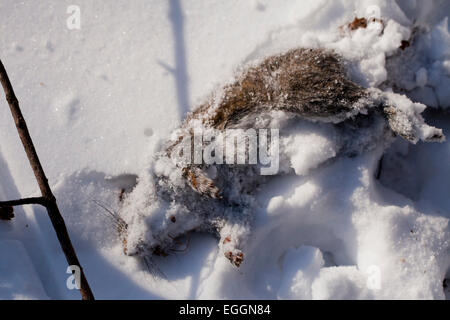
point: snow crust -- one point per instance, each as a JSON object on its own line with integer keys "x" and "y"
{"x": 100, "y": 100}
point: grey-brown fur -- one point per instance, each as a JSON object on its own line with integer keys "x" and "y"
{"x": 305, "y": 85}
{"x": 306, "y": 82}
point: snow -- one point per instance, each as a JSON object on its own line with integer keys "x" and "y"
{"x": 340, "y": 283}
{"x": 307, "y": 151}
{"x": 18, "y": 276}
{"x": 99, "y": 101}
{"x": 300, "y": 265}
{"x": 422, "y": 77}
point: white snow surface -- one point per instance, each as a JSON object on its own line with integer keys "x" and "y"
{"x": 99, "y": 101}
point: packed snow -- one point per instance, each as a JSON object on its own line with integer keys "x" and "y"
{"x": 100, "y": 100}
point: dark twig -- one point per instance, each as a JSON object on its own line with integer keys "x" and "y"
{"x": 47, "y": 194}
{"x": 23, "y": 202}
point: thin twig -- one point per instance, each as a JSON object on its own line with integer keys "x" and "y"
{"x": 23, "y": 202}
{"x": 50, "y": 200}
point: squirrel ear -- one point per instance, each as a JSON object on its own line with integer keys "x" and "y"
{"x": 201, "y": 183}
{"x": 412, "y": 127}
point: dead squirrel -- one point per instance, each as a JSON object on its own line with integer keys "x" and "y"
{"x": 283, "y": 91}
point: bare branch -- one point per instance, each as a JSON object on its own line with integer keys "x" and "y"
{"x": 23, "y": 202}
{"x": 47, "y": 194}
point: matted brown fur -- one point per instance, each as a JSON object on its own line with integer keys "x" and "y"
{"x": 311, "y": 83}
{"x": 308, "y": 82}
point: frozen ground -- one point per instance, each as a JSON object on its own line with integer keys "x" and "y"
{"x": 98, "y": 101}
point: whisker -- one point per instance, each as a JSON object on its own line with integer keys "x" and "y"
{"x": 104, "y": 206}
{"x": 153, "y": 268}
{"x": 114, "y": 214}
{"x": 118, "y": 222}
